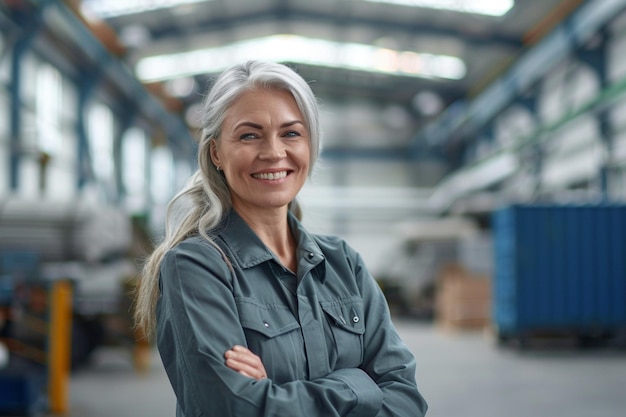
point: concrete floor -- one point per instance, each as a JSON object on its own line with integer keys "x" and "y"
{"x": 460, "y": 374}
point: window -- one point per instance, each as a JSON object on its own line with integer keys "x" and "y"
{"x": 55, "y": 134}
{"x": 161, "y": 168}
{"x": 161, "y": 185}
{"x": 134, "y": 170}
{"x": 5, "y": 63}
{"x": 5, "y": 143}
{"x": 100, "y": 134}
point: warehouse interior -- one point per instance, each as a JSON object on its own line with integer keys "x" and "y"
{"x": 473, "y": 152}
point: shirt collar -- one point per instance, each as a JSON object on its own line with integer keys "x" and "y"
{"x": 307, "y": 245}
{"x": 244, "y": 244}
{"x": 250, "y": 251}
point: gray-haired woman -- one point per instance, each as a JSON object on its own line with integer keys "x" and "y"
{"x": 254, "y": 315}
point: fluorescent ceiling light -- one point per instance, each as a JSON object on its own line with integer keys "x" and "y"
{"x": 112, "y": 8}
{"x": 301, "y": 50}
{"x": 484, "y": 7}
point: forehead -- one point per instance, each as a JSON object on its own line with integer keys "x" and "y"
{"x": 264, "y": 101}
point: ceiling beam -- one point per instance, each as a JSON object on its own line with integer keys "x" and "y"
{"x": 171, "y": 28}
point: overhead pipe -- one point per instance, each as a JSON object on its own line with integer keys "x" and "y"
{"x": 531, "y": 37}
{"x": 462, "y": 121}
{"x": 504, "y": 162}
{"x": 556, "y": 16}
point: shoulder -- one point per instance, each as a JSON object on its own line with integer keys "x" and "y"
{"x": 331, "y": 242}
{"x": 193, "y": 244}
{"x": 333, "y": 246}
{"x": 196, "y": 250}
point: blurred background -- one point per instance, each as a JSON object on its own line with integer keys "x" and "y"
{"x": 474, "y": 153}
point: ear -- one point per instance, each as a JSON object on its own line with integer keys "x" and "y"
{"x": 214, "y": 154}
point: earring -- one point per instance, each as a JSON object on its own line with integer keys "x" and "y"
{"x": 219, "y": 168}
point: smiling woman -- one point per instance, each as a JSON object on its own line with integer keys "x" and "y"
{"x": 254, "y": 315}
{"x": 263, "y": 151}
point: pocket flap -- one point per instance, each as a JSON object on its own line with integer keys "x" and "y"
{"x": 347, "y": 314}
{"x": 269, "y": 320}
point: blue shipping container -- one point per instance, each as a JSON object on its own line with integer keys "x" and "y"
{"x": 559, "y": 268}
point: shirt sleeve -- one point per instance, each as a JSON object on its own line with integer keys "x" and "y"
{"x": 387, "y": 360}
{"x": 197, "y": 322}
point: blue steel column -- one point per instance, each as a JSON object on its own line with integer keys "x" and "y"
{"x": 87, "y": 85}
{"x": 533, "y": 155}
{"x": 596, "y": 58}
{"x": 125, "y": 119}
{"x": 31, "y": 24}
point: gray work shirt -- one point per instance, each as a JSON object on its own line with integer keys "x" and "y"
{"x": 324, "y": 334}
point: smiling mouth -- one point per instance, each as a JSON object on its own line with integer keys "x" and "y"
{"x": 270, "y": 175}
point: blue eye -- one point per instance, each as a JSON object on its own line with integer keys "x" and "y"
{"x": 248, "y": 136}
{"x": 292, "y": 134}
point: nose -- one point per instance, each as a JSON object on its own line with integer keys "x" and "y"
{"x": 272, "y": 148}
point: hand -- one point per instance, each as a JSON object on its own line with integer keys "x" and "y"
{"x": 245, "y": 362}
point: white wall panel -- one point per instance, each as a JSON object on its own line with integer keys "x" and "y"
{"x": 619, "y": 148}
{"x": 514, "y": 124}
{"x": 5, "y": 143}
{"x": 581, "y": 87}
{"x": 135, "y": 169}
{"x": 28, "y": 173}
{"x": 617, "y": 115}
{"x": 565, "y": 89}
{"x": 616, "y": 60}
{"x": 364, "y": 172}
{"x": 28, "y": 75}
{"x": 552, "y": 95}
{"x": 5, "y": 62}
{"x": 365, "y": 125}
{"x": 576, "y": 136}
{"x": 563, "y": 172}
{"x": 56, "y": 133}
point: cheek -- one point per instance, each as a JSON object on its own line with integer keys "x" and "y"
{"x": 304, "y": 153}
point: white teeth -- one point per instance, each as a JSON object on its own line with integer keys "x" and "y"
{"x": 270, "y": 175}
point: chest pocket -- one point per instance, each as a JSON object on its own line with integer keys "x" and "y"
{"x": 344, "y": 330}
{"x": 272, "y": 333}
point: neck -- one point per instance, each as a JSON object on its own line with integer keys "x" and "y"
{"x": 273, "y": 230}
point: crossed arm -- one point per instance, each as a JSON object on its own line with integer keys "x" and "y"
{"x": 196, "y": 347}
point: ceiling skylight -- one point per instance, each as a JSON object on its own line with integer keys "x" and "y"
{"x": 484, "y": 7}
{"x": 301, "y": 50}
{"x": 111, "y": 8}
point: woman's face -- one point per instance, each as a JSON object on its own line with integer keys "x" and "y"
{"x": 263, "y": 149}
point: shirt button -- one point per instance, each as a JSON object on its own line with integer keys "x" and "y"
{"x": 310, "y": 255}
{"x": 355, "y": 319}
{"x": 266, "y": 324}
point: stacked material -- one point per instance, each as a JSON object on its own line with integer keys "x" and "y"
{"x": 463, "y": 300}
{"x": 64, "y": 230}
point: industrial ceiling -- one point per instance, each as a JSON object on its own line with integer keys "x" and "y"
{"x": 485, "y": 45}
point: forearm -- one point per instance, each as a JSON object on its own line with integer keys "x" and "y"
{"x": 225, "y": 392}
{"x": 346, "y": 392}
{"x": 401, "y": 399}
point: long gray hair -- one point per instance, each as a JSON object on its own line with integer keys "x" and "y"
{"x": 205, "y": 199}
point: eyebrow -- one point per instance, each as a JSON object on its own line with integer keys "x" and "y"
{"x": 258, "y": 126}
